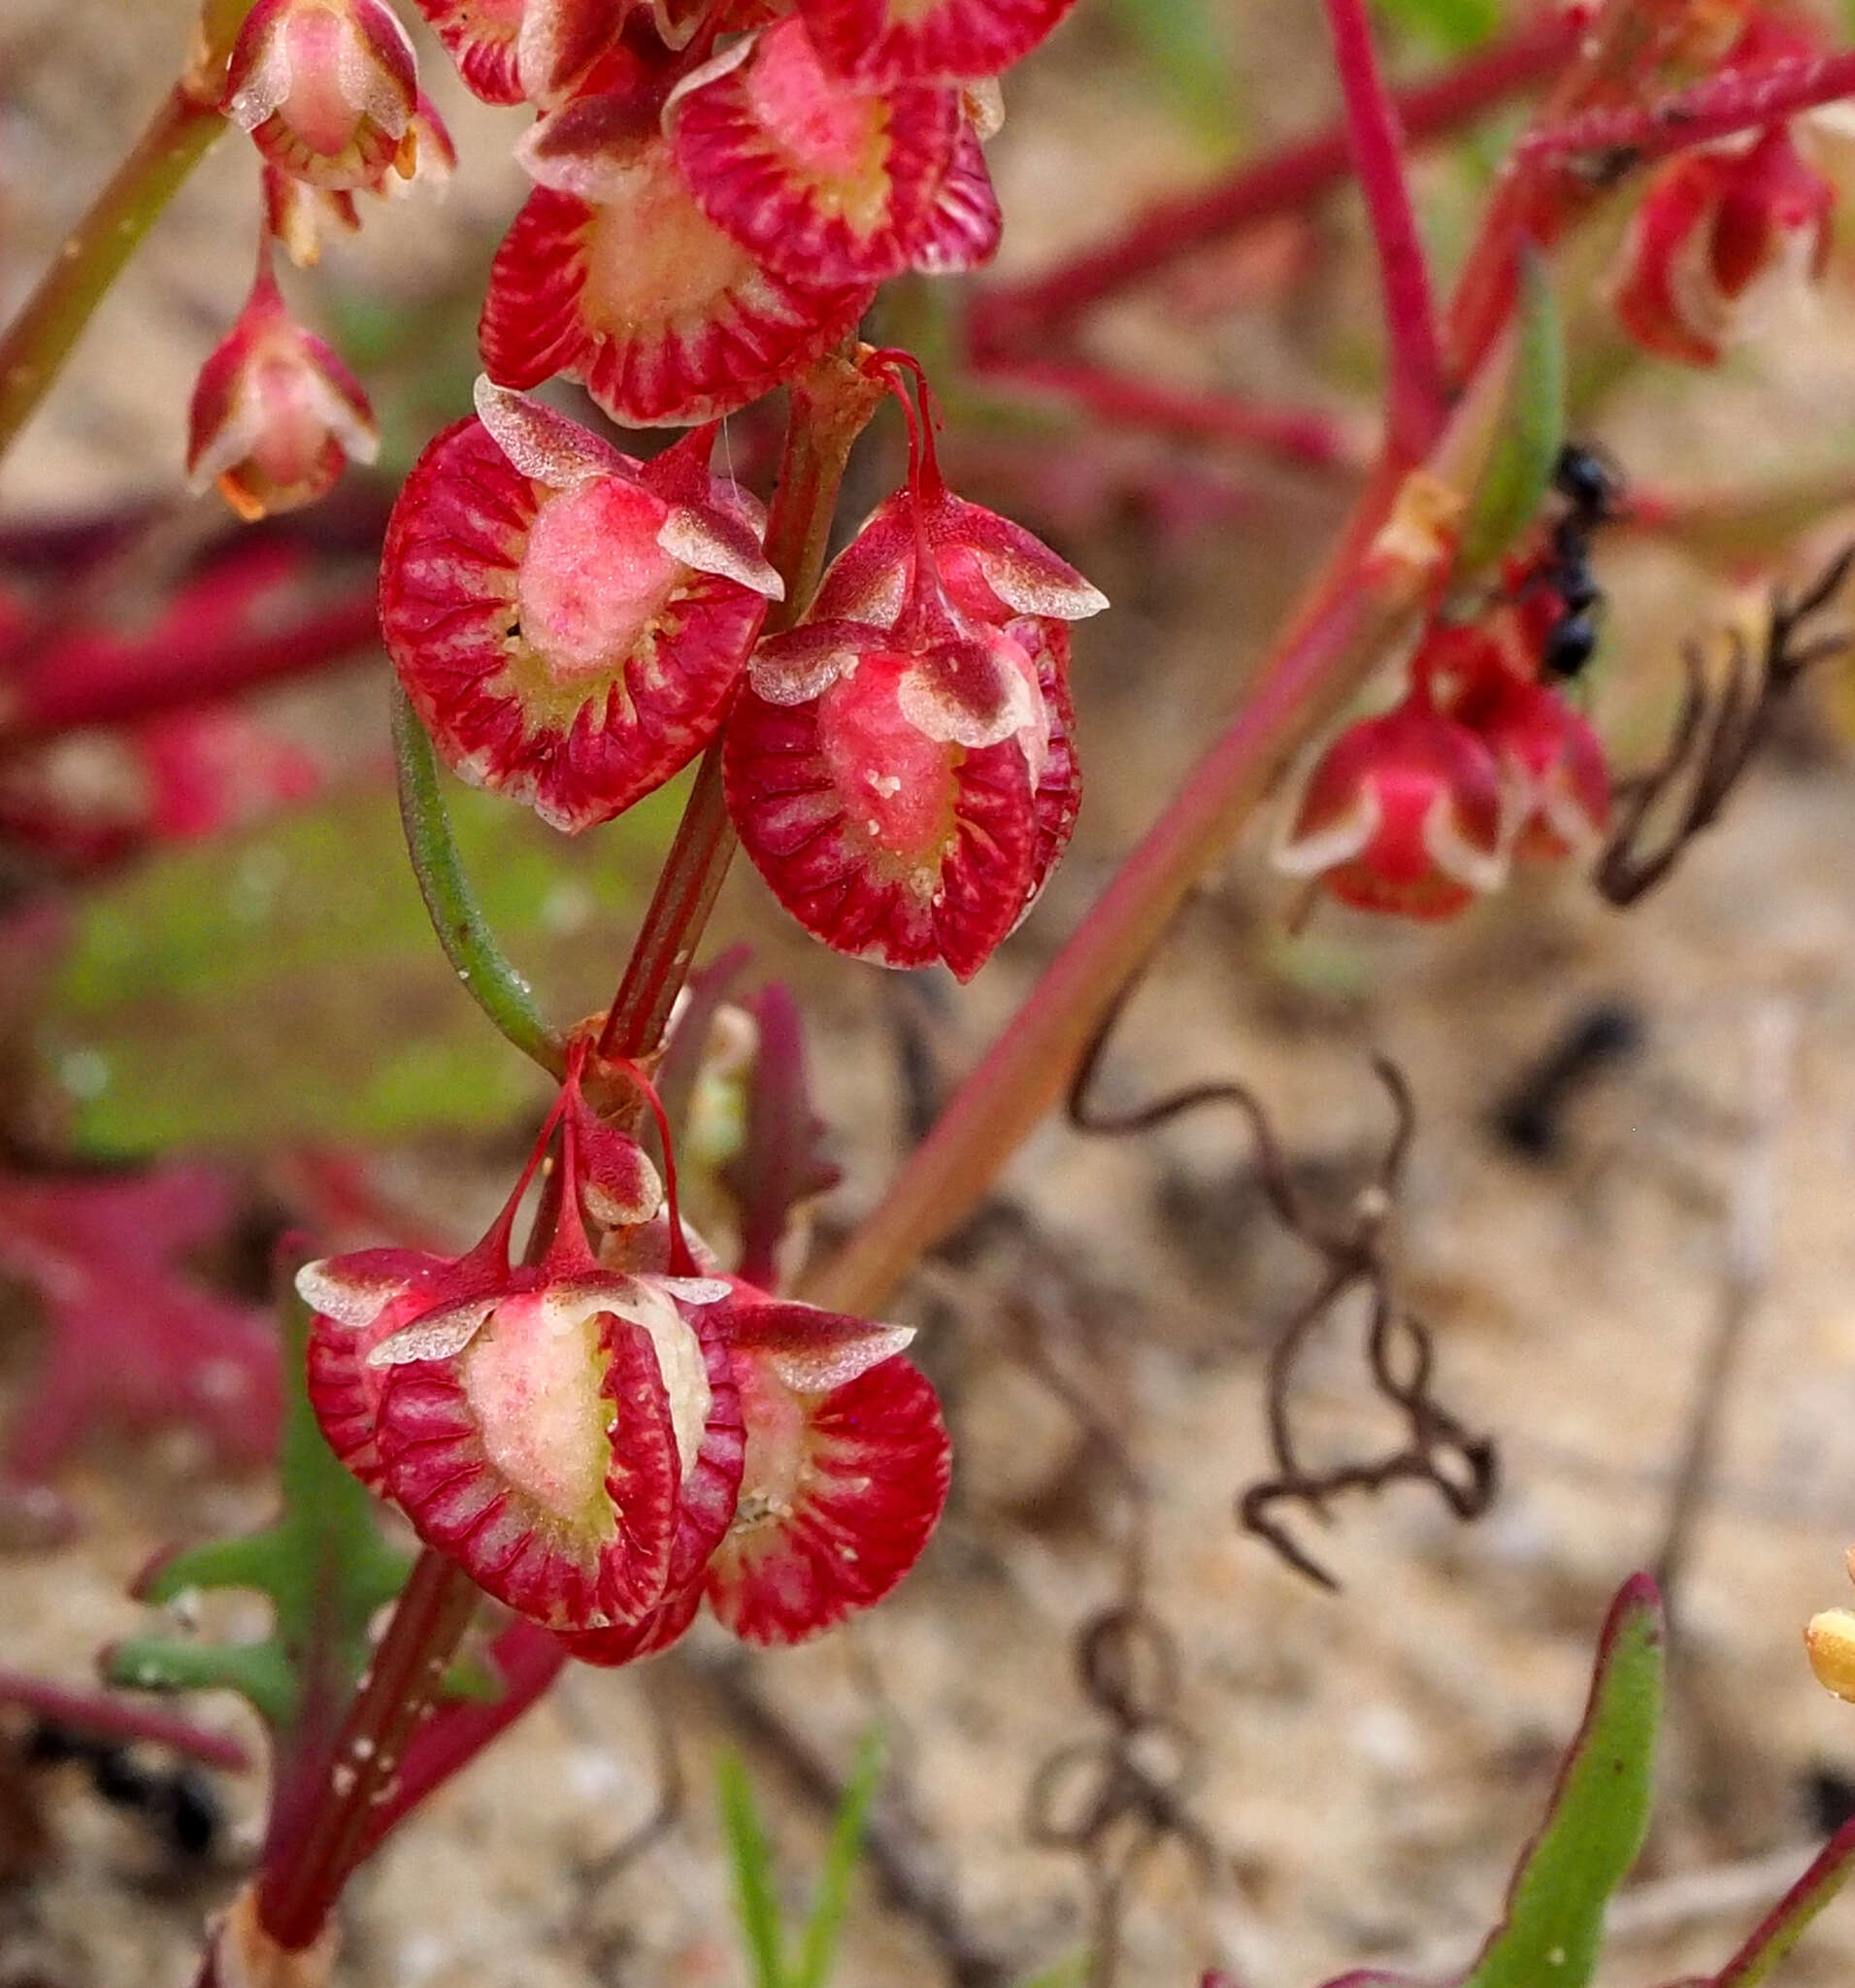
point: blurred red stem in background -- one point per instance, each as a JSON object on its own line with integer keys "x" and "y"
{"x": 1305, "y": 436}
{"x": 1415, "y": 400}
{"x": 1539, "y": 196}
{"x": 104, "y": 1718}
{"x": 1279, "y": 183}
{"x": 48, "y": 686}
{"x": 1618, "y": 140}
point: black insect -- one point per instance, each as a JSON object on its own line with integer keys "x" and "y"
{"x": 1593, "y": 494}
{"x": 1529, "y": 1118}
{"x": 177, "y": 1804}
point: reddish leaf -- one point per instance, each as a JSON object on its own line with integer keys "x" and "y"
{"x": 136, "y": 1342}
{"x": 780, "y": 1162}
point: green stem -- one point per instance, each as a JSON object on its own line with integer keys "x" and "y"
{"x": 41, "y": 339}
{"x": 484, "y": 969}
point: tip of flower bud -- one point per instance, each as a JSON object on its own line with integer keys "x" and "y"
{"x": 1830, "y": 1640}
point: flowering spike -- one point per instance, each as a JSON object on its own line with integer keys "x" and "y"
{"x": 898, "y": 41}
{"x": 817, "y": 179}
{"x": 901, "y": 769}
{"x": 573, "y": 642}
{"x": 327, "y": 88}
{"x": 568, "y": 1434}
{"x": 274, "y": 415}
{"x": 641, "y": 298}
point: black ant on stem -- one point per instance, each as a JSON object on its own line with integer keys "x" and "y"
{"x": 1592, "y": 490}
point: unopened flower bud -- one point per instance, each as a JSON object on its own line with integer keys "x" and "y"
{"x": 1830, "y": 1640}
{"x": 328, "y": 90}
{"x": 275, "y": 416}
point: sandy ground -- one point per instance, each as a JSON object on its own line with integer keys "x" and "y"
{"x": 1359, "y": 1769}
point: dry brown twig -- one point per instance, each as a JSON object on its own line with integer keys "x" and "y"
{"x": 1716, "y": 737}
{"x": 1112, "y": 1800}
{"x": 1438, "y": 1449}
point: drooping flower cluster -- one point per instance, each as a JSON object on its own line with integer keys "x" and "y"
{"x": 1481, "y": 763}
{"x": 328, "y": 92}
{"x": 604, "y": 1439}
{"x": 275, "y": 417}
{"x": 899, "y": 767}
{"x": 573, "y": 626}
{"x": 704, "y": 224}
{"x": 1732, "y": 233}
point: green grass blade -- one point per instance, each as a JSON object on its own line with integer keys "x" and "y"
{"x": 755, "y": 1904}
{"x": 833, "y": 1898}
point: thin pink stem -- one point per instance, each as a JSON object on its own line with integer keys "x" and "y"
{"x": 1628, "y": 136}
{"x": 1297, "y": 434}
{"x": 1415, "y": 399}
{"x": 59, "y": 685}
{"x": 118, "y": 1718}
{"x": 1537, "y": 199}
{"x": 1281, "y": 183}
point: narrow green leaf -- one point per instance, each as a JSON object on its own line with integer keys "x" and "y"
{"x": 1599, "y": 1813}
{"x": 1532, "y": 429}
{"x": 755, "y": 1904}
{"x": 323, "y": 1565}
{"x": 1449, "y": 25}
{"x": 828, "y": 1908}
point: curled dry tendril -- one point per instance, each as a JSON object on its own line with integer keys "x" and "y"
{"x": 1437, "y": 1450}
{"x": 1716, "y": 737}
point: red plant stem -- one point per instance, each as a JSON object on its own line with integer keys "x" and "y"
{"x": 1303, "y": 436}
{"x": 115, "y": 1718}
{"x": 686, "y": 891}
{"x": 1415, "y": 400}
{"x": 1285, "y": 181}
{"x": 1628, "y": 136}
{"x": 54, "y": 690}
{"x": 298, "y": 1890}
{"x": 526, "y": 1661}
